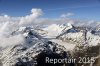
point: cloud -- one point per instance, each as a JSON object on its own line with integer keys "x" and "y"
{"x": 76, "y": 22}
{"x": 67, "y": 15}
{"x": 47, "y": 21}
{"x": 28, "y": 19}
{"x": 9, "y": 24}
{"x": 33, "y": 19}
{"x": 11, "y": 41}
{"x": 4, "y": 28}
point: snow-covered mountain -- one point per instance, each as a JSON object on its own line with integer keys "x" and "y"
{"x": 54, "y": 41}
{"x": 70, "y": 33}
{"x": 27, "y": 53}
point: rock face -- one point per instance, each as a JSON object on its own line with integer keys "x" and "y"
{"x": 33, "y": 52}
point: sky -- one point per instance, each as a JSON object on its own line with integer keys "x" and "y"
{"x": 76, "y": 9}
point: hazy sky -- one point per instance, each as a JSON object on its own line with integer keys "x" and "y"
{"x": 81, "y": 9}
